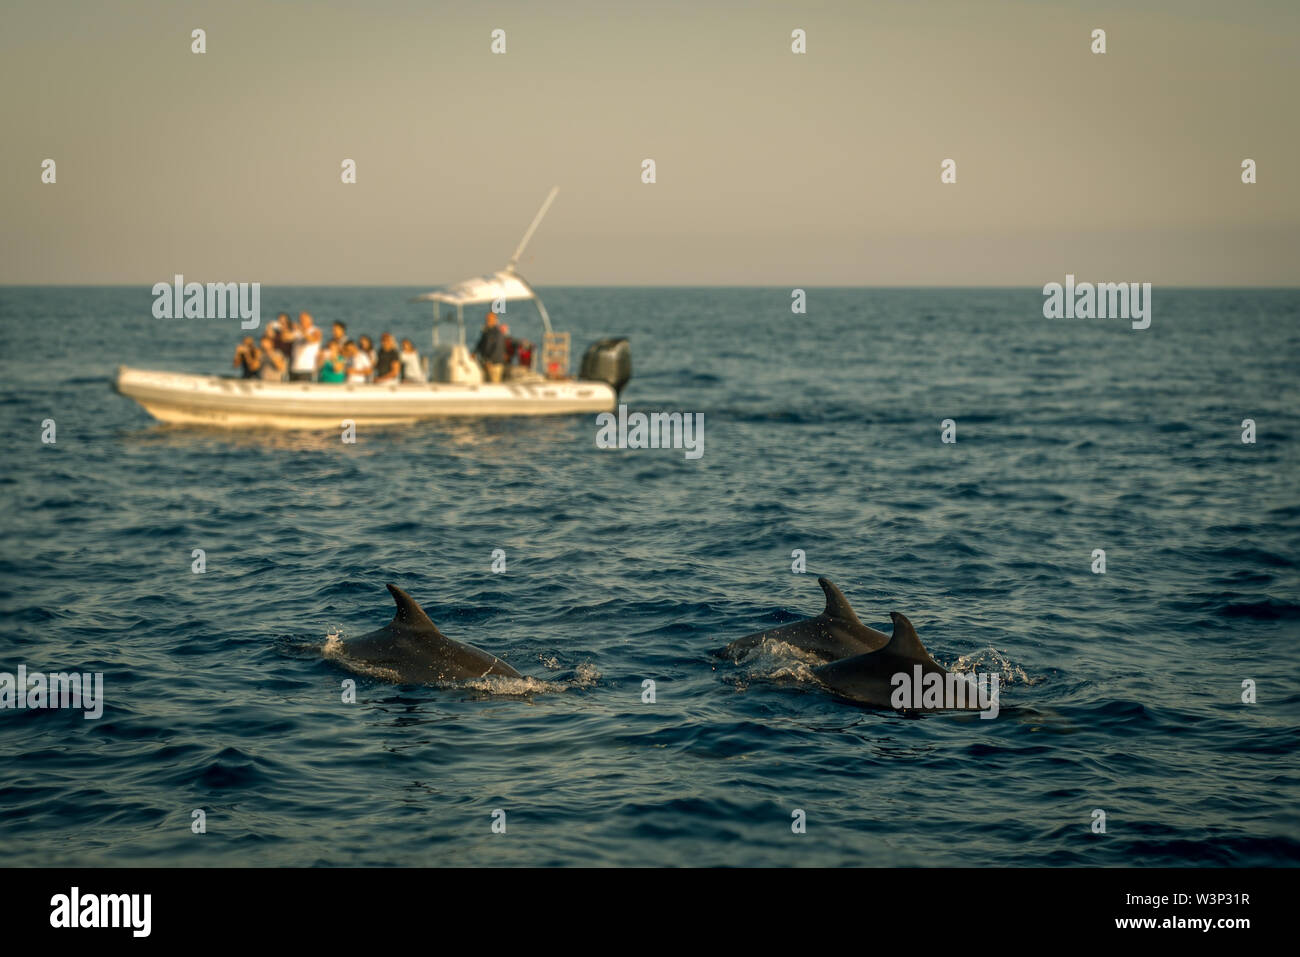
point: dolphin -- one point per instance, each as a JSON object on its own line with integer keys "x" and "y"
{"x": 869, "y": 678}
{"x": 411, "y": 647}
{"x": 835, "y": 633}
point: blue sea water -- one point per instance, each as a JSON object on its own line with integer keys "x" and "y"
{"x": 1122, "y": 691}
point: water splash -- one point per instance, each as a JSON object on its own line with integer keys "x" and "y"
{"x": 991, "y": 660}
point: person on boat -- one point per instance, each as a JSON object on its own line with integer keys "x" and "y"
{"x": 359, "y": 364}
{"x": 491, "y": 348}
{"x": 338, "y": 334}
{"x": 508, "y": 343}
{"x": 248, "y": 358}
{"x": 412, "y": 366}
{"x": 524, "y": 352}
{"x": 283, "y": 331}
{"x": 388, "y": 364}
{"x": 275, "y": 367}
{"x": 367, "y": 346}
{"x": 306, "y": 347}
{"x": 334, "y": 366}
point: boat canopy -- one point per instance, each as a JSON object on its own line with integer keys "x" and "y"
{"x": 504, "y": 285}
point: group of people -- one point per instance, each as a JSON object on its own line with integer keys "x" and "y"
{"x": 296, "y": 351}
{"x": 292, "y": 351}
{"x": 495, "y": 349}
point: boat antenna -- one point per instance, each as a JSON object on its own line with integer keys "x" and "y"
{"x": 514, "y": 260}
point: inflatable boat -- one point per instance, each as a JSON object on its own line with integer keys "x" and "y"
{"x": 457, "y": 385}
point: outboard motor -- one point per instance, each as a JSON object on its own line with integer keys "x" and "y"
{"x": 609, "y": 360}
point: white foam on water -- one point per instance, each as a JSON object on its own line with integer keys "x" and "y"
{"x": 778, "y": 660}
{"x": 992, "y": 661}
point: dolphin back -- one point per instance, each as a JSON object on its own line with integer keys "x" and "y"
{"x": 869, "y": 678}
{"x": 835, "y": 633}
{"x": 412, "y": 648}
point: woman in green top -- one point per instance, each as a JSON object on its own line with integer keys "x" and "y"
{"x": 333, "y": 367}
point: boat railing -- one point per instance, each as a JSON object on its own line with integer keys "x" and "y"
{"x": 555, "y": 355}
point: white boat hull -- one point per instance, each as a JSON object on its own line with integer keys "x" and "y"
{"x": 251, "y": 403}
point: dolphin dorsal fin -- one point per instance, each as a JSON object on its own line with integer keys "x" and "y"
{"x": 837, "y": 606}
{"x": 409, "y": 613}
{"x": 904, "y": 642}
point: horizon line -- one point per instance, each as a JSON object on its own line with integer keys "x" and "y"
{"x": 564, "y": 285}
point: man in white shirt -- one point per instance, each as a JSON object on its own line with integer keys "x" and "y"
{"x": 306, "y": 347}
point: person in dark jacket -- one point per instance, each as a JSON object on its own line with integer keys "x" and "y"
{"x": 491, "y": 348}
{"x": 248, "y": 358}
{"x": 388, "y": 364}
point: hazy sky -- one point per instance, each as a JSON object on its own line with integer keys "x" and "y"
{"x": 773, "y": 169}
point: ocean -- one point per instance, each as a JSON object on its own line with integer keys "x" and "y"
{"x": 1122, "y": 692}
